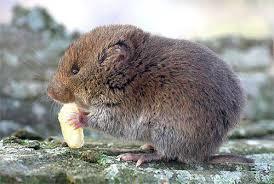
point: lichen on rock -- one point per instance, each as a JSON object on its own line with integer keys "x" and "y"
{"x": 47, "y": 161}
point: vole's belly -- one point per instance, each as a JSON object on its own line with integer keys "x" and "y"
{"x": 119, "y": 124}
{"x": 128, "y": 130}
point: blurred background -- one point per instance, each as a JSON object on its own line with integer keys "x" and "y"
{"x": 34, "y": 34}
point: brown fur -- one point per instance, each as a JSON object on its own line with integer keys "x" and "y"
{"x": 174, "y": 94}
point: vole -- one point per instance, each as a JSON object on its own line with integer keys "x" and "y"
{"x": 175, "y": 95}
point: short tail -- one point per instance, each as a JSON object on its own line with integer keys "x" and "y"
{"x": 229, "y": 159}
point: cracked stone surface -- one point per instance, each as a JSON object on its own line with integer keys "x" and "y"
{"x": 50, "y": 161}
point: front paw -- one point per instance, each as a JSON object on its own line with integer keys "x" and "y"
{"x": 78, "y": 120}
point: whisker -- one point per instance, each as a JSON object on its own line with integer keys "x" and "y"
{"x": 51, "y": 111}
{"x": 54, "y": 109}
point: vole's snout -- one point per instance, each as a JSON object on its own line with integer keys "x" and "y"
{"x": 61, "y": 94}
{"x": 51, "y": 92}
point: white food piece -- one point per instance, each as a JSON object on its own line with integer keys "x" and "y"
{"x": 73, "y": 137}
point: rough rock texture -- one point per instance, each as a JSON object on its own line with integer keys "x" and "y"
{"x": 32, "y": 43}
{"x": 258, "y": 129}
{"x": 50, "y": 161}
{"x": 253, "y": 60}
{"x": 29, "y": 50}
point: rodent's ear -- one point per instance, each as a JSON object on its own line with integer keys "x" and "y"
{"x": 120, "y": 51}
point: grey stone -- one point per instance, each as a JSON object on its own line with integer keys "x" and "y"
{"x": 40, "y": 115}
{"x": 259, "y": 88}
{"x": 23, "y": 89}
{"x": 7, "y": 127}
{"x": 12, "y": 59}
{"x": 264, "y": 103}
{"x": 39, "y": 110}
{"x": 48, "y": 162}
{"x": 219, "y": 44}
{"x": 247, "y": 130}
{"x": 254, "y": 58}
{"x": 37, "y": 20}
{"x": 252, "y": 82}
{"x": 30, "y": 48}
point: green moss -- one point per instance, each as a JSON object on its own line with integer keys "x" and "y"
{"x": 90, "y": 156}
{"x": 51, "y": 143}
{"x": 26, "y": 143}
{"x": 203, "y": 166}
{"x": 97, "y": 163}
{"x": 33, "y": 144}
{"x": 9, "y": 179}
{"x": 103, "y": 160}
{"x": 12, "y": 139}
{"x": 124, "y": 174}
{"x": 24, "y": 134}
{"x": 35, "y": 179}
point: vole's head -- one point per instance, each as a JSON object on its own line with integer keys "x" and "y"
{"x": 96, "y": 67}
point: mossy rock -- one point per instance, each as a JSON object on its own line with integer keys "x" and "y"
{"x": 257, "y": 129}
{"x": 96, "y": 162}
{"x": 24, "y": 134}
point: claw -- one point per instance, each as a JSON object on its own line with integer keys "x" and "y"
{"x": 77, "y": 125}
{"x": 73, "y": 116}
{"x": 77, "y": 120}
{"x": 139, "y": 162}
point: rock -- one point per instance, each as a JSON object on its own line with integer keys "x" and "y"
{"x": 259, "y": 88}
{"x": 265, "y": 101}
{"x": 253, "y": 82}
{"x": 96, "y": 162}
{"x": 7, "y": 127}
{"x": 219, "y": 44}
{"x": 23, "y": 89}
{"x": 30, "y": 48}
{"x": 25, "y": 134}
{"x": 21, "y": 131}
{"x": 255, "y": 58}
{"x": 248, "y": 146}
{"x": 13, "y": 60}
{"x": 36, "y": 20}
{"x": 252, "y": 130}
{"x": 33, "y": 114}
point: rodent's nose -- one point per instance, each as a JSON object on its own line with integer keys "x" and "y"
{"x": 61, "y": 94}
{"x": 50, "y": 92}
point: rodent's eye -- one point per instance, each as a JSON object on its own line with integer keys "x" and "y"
{"x": 74, "y": 69}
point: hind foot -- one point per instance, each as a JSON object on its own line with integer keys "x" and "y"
{"x": 141, "y": 158}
